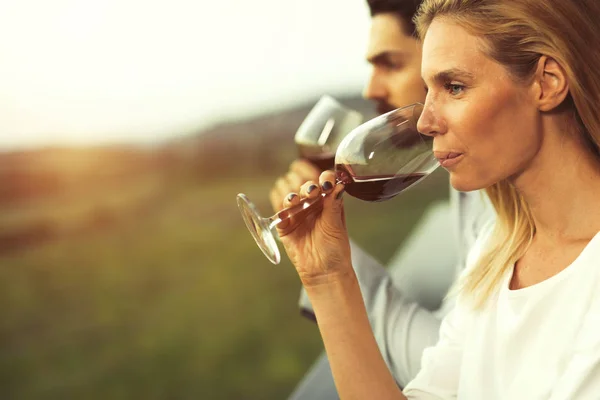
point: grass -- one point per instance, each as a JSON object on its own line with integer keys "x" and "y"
{"x": 174, "y": 303}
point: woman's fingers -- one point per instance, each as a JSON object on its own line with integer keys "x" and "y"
{"x": 328, "y": 185}
{"x": 332, "y": 206}
{"x": 310, "y": 189}
{"x": 300, "y": 171}
{"x": 290, "y": 182}
{"x": 291, "y": 199}
{"x": 327, "y": 181}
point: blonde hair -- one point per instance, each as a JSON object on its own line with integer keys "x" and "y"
{"x": 516, "y": 33}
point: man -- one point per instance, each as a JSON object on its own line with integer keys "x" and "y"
{"x": 394, "y": 54}
{"x": 402, "y": 311}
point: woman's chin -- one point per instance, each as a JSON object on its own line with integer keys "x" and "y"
{"x": 464, "y": 184}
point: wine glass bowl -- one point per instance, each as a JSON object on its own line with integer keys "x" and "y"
{"x": 324, "y": 127}
{"x": 385, "y": 155}
{"x": 375, "y": 161}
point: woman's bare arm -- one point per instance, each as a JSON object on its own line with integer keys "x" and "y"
{"x": 357, "y": 365}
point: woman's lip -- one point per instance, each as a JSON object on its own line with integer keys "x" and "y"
{"x": 442, "y": 155}
{"x": 451, "y": 160}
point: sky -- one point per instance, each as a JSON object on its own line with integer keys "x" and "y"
{"x": 138, "y": 71}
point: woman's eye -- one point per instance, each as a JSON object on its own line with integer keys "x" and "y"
{"x": 454, "y": 88}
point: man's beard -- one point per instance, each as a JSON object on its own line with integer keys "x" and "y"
{"x": 384, "y": 107}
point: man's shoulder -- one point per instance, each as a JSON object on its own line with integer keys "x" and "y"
{"x": 473, "y": 211}
{"x": 473, "y": 206}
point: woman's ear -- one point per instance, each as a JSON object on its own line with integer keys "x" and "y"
{"x": 551, "y": 84}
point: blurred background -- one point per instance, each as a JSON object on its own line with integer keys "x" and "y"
{"x": 127, "y": 127}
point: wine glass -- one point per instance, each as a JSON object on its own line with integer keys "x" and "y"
{"x": 324, "y": 127}
{"x": 375, "y": 161}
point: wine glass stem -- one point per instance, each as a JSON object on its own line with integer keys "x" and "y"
{"x": 292, "y": 211}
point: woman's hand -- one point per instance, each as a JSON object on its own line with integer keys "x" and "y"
{"x": 316, "y": 240}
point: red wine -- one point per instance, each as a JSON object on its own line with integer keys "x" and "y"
{"x": 375, "y": 187}
{"x": 316, "y": 155}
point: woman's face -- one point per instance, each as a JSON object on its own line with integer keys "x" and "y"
{"x": 486, "y": 127}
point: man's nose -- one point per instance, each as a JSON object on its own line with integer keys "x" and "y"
{"x": 376, "y": 88}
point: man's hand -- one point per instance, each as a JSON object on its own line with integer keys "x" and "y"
{"x": 300, "y": 171}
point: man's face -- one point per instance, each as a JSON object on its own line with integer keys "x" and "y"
{"x": 396, "y": 60}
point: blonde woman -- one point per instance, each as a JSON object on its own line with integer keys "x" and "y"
{"x": 512, "y": 104}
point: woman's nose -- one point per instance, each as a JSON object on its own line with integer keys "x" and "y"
{"x": 429, "y": 123}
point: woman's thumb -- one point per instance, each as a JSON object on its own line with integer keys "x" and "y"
{"x": 333, "y": 205}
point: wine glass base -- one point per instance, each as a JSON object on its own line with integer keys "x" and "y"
{"x": 259, "y": 228}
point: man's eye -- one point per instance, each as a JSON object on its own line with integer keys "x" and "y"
{"x": 454, "y": 88}
{"x": 391, "y": 65}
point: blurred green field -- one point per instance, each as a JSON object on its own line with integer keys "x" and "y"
{"x": 173, "y": 303}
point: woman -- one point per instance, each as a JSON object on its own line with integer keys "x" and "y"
{"x": 513, "y": 87}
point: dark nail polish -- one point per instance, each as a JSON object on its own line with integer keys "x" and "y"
{"x": 340, "y": 194}
{"x": 327, "y": 185}
{"x": 311, "y": 188}
{"x": 291, "y": 196}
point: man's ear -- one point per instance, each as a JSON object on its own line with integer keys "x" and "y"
{"x": 551, "y": 85}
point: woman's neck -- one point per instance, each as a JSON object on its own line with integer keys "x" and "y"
{"x": 562, "y": 186}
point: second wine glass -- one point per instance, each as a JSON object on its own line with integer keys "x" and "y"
{"x": 375, "y": 161}
{"x": 324, "y": 127}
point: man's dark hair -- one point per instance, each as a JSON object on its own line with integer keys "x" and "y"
{"x": 404, "y": 9}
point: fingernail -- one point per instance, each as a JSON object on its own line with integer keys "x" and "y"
{"x": 311, "y": 188}
{"x": 340, "y": 194}
{"x": 291, "y": 196}
{"x": 326, "y": 185}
